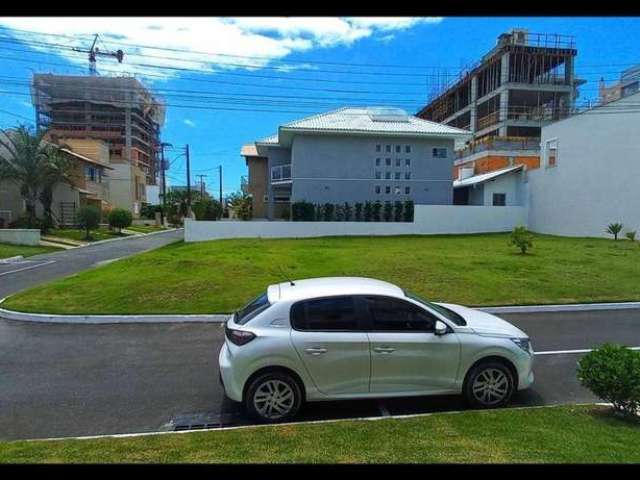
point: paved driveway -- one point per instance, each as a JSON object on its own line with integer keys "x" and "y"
{"x": 63, "y": 380}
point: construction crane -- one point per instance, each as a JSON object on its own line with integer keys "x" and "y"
{"x": 95, "y": 51}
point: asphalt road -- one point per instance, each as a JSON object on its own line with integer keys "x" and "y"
{"x": 72, "y": 380}
{"x": 43, "y": 268}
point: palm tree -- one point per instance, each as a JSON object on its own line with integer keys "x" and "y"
{"x": 35, "y": 165}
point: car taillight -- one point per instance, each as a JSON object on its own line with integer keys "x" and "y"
{"x": 239, "y": 337}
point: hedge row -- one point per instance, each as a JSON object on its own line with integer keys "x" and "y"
{"x": 358, "y": 212}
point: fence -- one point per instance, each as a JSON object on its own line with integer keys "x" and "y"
{"x": 428, "y": 220}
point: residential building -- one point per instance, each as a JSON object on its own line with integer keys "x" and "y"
{"x": 628, "y": 85}
{"x": 526, "y": 81}
{"x": 590, "y": 172}
{"x": 352, "y": 155}
{"x": 499, "y": 188}
{"x": 117, "y": 110}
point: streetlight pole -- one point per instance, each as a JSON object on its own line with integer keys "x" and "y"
{"x": 164, "y": 182}
{"x": 186, "y": 150}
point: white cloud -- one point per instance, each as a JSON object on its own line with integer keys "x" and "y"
{"x": 189, "y": 123}
{"x": 203, "y": 43}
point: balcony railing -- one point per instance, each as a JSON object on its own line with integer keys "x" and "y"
{"x": 281, "y": 173}
{"x": 499, "y": 143}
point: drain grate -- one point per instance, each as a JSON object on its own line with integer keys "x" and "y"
{"x": 201, "y": 421}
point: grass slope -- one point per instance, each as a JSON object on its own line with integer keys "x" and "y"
{"x": 220, "y": 276}
{"x": 9, "y": 250}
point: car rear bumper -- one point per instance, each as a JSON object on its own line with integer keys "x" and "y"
{"x": 232, "y": 388}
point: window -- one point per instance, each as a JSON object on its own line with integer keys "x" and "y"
{"x": 378, "y": 162}
{"x": 551, "y": 153}
{"x": 387, "y": 175}
{"x": 396, "y": 190}
{"x": 387, "y": 162}
{"x": 407, "y": 162}
{"x": 499, "y": 199}
{"x": 407, "y": 190}
{"x": 398, "y": 162}
{"x": 445, "y": 312}
{"x": 378, "y": 174}
{"x": 439, "y": 153}
{"x": 378, "y": 148}
{"x": 387, "y": 189}
{"x": 378, "y": 189}
{"x": 398, "y": 148}
{"x": 252, "y": 309}
{"x": 335, "y": 313}
{"x": 390, "y": 314}
{"x": 397, "y": 176}
{"x": 407, "y": 149}
{"x": 90, "y": 173}
{"x": 387, "y": 148}
{"x": 407, "y": 175}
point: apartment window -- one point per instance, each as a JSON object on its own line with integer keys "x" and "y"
{"x": 396, "y": 190}
{"x": 387, "y": 148}
{"x": 398, "y": 162}
{"x": 407, "y": 162}
{"x": 398, "y": 148}
{"x": 407, "y": 190}
{"x": 387, "y": 175}
{"x": 378, "y": 189}
{"x": 407, "y": 175}
{"x": 397, "y": 177}
{"x": 551, "y": 153}
{"x": 499, "y": 199}
{"x": 387, "y": 189}
{"x": 378, "y": 175}
{"x": 407, "y": 149}
{"x": 439, "y": 153}
{"x": 378, "y": 162}
{"x": 387, "y": 162}
{"x": 90, "y": 173}
{"x": 378, "y": 148}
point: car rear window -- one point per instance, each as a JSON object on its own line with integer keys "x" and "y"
{"x": 253, "y": 308}
{"x": 325, "y": 314}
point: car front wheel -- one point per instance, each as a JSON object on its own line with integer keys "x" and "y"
{"x": 489, "y": 385}
{"x": 273, "y": 397}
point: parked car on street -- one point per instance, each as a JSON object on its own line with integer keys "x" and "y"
{"x": 351, "y": 338}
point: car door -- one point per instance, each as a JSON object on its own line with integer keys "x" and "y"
{"x": 406, "y": 355}
{"x": 330, "y": 340}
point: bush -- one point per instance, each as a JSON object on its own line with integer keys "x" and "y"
{"x": 397, "y": 212}
{"x": 612, "y": 372}
{"x": 119, "y": 218}
{"x": 521, "y": 238}
{"x": 339, "y": 213}
{"x": 408, "y": 211}
{"x": 358, "y": 212}
{"x": 368, "y": 211}
{"x": 328, "y": 212}
{"x": 148, "y": 211}
{"x": 631, "y": 235}
{"x": 88, "y": 218}
{"x": 377, "y": 210}
{"x": 614, "y": 229}
{"x": 388, "y": 211}
{"x": 319, "y": 213}
{"x": 303, "y": 212}
{"x": 348, "y": 212}
{"x": 207, "y": 209}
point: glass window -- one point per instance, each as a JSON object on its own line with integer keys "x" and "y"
{"x": 407, "y": 149}
{"x": 397, "y": 176}
{"x": 407, "y": 162}
{"x": 396, "y": 190}
{"x": 407, "y": 190}
{"x": 398, "y": 148}
{"x": 335, "y": 313}
{"x": 253, "y": 308}
{"x": 378, "y": 148}
{"x": 378, "y": 175}
{"x": 445, "y": 312}
{"x": 387, "y": 148}
{"x": 378, "y": 162}
{"x": 387, "y": 175}
{"x": 387, "y": 189}
{"x": 499, "y": 199}
{"x": 398, "y": 162}
{"x": 378, "y": 189}
{"x": 551, "y": 153}
{"x": 440, "y": 153}
{"x": 391, "y": 314}
{"x": 407, "y": 175}
{"x": 387, "y": 162}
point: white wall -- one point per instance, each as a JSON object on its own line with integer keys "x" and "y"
{"x": 597, "y": 177}
{"x": 429, "y": 219}
{"x": 20, "y": 236}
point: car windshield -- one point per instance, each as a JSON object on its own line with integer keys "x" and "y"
{"x": 253, "y": 308}
{"x": 445, "y": 312}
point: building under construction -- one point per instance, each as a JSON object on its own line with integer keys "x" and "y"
{"x": 524, "y": 82}
{"x": 117, "y": 110}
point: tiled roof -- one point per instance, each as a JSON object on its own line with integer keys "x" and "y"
{"x": 270, "y": 139}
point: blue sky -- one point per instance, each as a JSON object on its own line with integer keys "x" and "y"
{"x": 232, "y": 60}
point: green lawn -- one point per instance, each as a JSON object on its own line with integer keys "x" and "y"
{"x": 9, "y": 250}
{"x": 102, "y": 233}
{"x": 145, "y": 228}
{"x": 220, "y": 276}
{"x": 577, "y": 434}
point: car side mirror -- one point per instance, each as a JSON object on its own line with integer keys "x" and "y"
{"x": 441, "y": 328}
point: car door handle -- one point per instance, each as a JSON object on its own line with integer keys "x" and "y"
{"x": 315, "y": 350}
{"x": 384, "y": 349}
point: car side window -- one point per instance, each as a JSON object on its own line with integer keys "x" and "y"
{"x": 325, "y": 314}
{"x": 391, "y": 314}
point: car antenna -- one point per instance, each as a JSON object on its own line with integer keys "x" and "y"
{"x": 286, "y": 277}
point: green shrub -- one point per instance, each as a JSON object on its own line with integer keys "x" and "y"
{"x": 348, "y": 212}
{"x": 303, "y": 211}
{"x": 207, "y": 209}
{"x": 377, "y": 210}
{"x": 319, "y": 213}
{"x": 397, "y": 211}
{"x": 388, "y": 211}
{"x": 631, "y": 235}
{"x": 521, "y": 238}
{"x": 368, "y": 211}
{"x": 119, "y": 218}
{"x": 328, "y": 210}
{"x": 408, "y": 211}
{"x": 614, "y": 229}
{"x": 358, "y": 211}
{"x": 612, "y": 372}
{"x": 339, "y": 215}
{"x": 88, "y": 218}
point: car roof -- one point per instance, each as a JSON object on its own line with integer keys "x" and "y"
{"x": 331, "y": 286}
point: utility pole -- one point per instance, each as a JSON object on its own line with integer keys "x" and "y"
{"x": 164, "y": 184}
{"x": 201, "y": 185}
{"x": 220, "y": 175}
{"x": 186, "y": 150}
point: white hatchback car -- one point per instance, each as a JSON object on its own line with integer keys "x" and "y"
{"x": 347, "y": 338}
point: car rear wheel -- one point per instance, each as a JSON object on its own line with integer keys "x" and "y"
{"x": 273, "y": 397}
{"x": 489, "y": 385}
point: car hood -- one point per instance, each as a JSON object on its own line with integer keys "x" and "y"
{"x": 484, "y": 323}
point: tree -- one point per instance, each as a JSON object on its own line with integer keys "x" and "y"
{"x": 120, "y": 218}
{"x": 408, "y": 211}
{"x": 521, "y": 238}
{"x": 88, "y": 219}
{"x": 388, "y": 211}
{"x": 241, "y": 204}
{"x": 348, "y": 212}
{"x": 631, "y": 235}
{"x": 368, "y": 211}
{"x": 376, "y": 209}
{"x": 358, "y": 212}
{"x": 614, "y": 229}
{"x": 207, "y": 209}
{"x": 397, "y": 211}
{"x": 35, "y": 166}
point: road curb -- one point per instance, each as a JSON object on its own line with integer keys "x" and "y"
{"x": 16, "y": 258}
{"x": 572, "y": 307}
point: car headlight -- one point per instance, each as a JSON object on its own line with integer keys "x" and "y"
{"x": 524, "y": 344}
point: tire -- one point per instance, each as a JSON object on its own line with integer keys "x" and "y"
{"x": 264, "y": 407}
{"x": 489, "y": 385}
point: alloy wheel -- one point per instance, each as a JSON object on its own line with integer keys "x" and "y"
{"x": 273, "y": 399}
{"x": 490, "y": 387}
